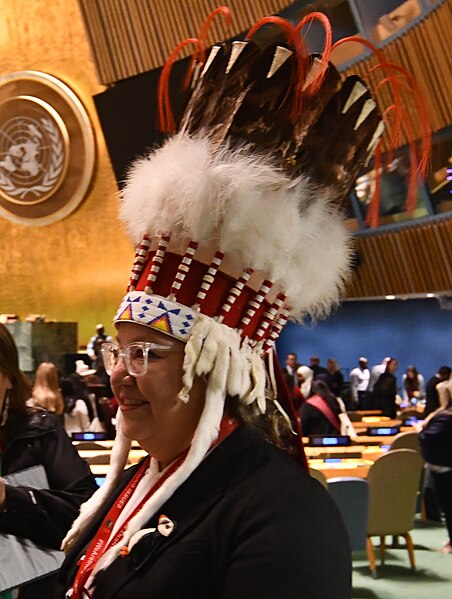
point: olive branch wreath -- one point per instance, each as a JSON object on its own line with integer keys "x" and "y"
{"x": 51, "y": 175}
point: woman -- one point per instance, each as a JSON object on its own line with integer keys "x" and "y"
{"x": 320, "y": 413}
{"x": 412, "y": 387}
{"x": 385, "y": 390}
{"x": 30, "y": 437}
{"x": 305, "y": 376}
{"x": 230, "y": 243}
{"x": 334, "y": 377}
{"x": 436, "y": 446}
{"x": 76, "y": 418}
{"x": 46, "y": 389}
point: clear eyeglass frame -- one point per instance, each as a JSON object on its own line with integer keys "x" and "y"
{"x": 136, "y": 356}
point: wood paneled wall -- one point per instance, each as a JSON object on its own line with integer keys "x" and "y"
{"x": 131, "y": 37}
{"x": 75, "y": 269}
{"x": 134, "y": 36}
{"x": 415, "y": 259}
{"x": 425, "y": 52}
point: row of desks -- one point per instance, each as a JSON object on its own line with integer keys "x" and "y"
{"x": 353, "y": 460}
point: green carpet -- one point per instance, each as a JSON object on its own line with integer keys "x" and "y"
{"x": 433, "y": 576}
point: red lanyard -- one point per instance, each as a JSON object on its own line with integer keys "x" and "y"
{"x": 100, "y": 544}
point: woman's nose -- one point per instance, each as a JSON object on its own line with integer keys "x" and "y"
{"x": 119, "y": 371}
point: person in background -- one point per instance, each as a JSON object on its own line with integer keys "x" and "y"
{"x": 436, "y": 446}
{"x": 81, "y": 390}
{"x": 290, "y": 371}
{"x": 384, "y": 394}
{"x": 432, "y": 402}
{"x": 412, "y": 387}
{"x": 359, "y": 383}
{"x": 334, "y": 377}
{"x": 76, "y": 418}
{"x": 94, "y": 346}
{"x": 314, "y": 365}
{"x": 319, "y": 414}
{"x": 375, "y": 373}
{"x": 305, "y": 377}
{"x": 31, "y": 437}
{"x": 442, "y": 389}
{"x": 46, "y": 391}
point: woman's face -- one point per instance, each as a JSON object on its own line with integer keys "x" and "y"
{"x": 152, "y": 413}
{"x": 5, "y": 384}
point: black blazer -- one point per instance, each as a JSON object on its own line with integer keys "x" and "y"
{"x": 249, "y": 523}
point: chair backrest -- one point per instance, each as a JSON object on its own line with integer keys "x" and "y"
{"x": 393, "y": 488}
{"x": 318, "y": 475}
{"x": 407, "y": 440}
{"x": 351, "y": 496}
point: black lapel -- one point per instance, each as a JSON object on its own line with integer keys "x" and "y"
{"x": 194, "y": 499}
{"x": 186, "y": 508}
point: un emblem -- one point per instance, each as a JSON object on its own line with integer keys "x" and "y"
{"x": 46, "y": 148}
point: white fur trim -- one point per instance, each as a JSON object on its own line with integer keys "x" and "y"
{"x": 205, "y": 435}
{"x": 238, "y": 202}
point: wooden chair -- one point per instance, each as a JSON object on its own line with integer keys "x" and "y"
{"x": 407, "y": 440}
{"x": 393, "y": 489}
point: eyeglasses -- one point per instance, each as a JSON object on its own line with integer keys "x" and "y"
{"x": 136, "y": 356}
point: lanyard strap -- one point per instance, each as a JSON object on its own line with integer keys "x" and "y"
{"x": 100, "y": 543}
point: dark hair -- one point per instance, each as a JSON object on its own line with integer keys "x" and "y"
{"x": 319, "y": 387}
{"x": 445, "y": 371}
{"x": 273, "y": 425}
{"x": 389, "y": 362}
{"x": 9, "y": 365}
{"x": 411, "y": 384}
{"x": 67, "y": 390}
{"x": 413, "y": 369}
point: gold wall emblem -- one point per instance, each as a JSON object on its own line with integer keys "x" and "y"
{"x": 47, "y": 148}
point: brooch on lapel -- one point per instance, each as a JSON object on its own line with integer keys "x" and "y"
{"x": 164, "y": 528}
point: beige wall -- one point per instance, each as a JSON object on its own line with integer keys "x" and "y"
{"x": 75, "y": 269}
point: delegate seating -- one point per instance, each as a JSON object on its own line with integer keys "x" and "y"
{"x": 393, "y": 490}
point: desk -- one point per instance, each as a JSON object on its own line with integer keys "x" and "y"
{"x": 355, "y": 452}
{"x": 135, "y": 455}
{"x": 364, "y": 413}
{"x": 107, "y": 443}
{"x": 362, "y": 427}
{"x": 353, "y": 467}
{"x": 99, "y": 469}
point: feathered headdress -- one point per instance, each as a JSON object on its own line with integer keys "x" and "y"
{"x": 237, "y": 219}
